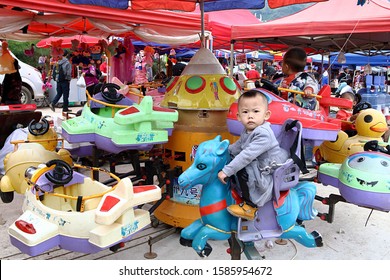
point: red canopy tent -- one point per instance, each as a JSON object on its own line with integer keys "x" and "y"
{"x": 328, "y": 26}
{"x": 167, "y": 18}
{"x": 61, "y": 18}
{"x": 221, "y": 22}
{"x": 27, "y": 20}
{"x": 189, "y": 5}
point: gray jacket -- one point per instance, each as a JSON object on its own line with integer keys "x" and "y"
{"x": 67, "y": 67}
{"x": 254, "y": 151}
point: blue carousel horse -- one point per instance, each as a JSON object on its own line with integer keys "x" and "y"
{"x": 215, "y": 222}
{"x": 292, "y": 202}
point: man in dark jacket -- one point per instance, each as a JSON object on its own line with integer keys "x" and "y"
{"x": 178, "y": 68}
{"x": 63, "y": 77}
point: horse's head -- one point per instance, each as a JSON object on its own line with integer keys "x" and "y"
{"x": 211, "y": 156}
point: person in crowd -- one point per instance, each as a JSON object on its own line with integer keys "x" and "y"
{"x": 169, "y": 66}
{"x": 346, "y": 115}
{"x": 97, "y": 88}
{"x": 357, "y": 80}
{"x": 103, "y": 67}
{"x": 178, "y": 68}
{"x": 10, "y": 90}
{"x": 343, "y": 75}
{"x": 316, "y": 76}
{"x": 344, "y": 87}
{"x": 63, "y": 75}
{"x": 12, "y": 86}
{"x": 91, "y": 75}
{"x": 161, "y": 76}
{"x": 325, "y": 78}
{"x": 363, "y": 87}
{"x": 294, "y": 62}
{"x": 256, "y": 148}
{"x": 270, "y": 72}
{"x": 252, "y": 73}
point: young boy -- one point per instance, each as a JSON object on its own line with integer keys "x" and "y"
{"x": 294, "y": 62}
{"x": 346, "y": 115}
{"x": 256, "y": 148}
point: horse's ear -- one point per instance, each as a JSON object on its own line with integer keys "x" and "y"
{"x": 218, "y": 138}
{"x": 222, "y": 147}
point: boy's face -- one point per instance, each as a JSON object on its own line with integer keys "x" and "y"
{"x": 350, "y": 97}
{"x": 286, "y": 69}
{"x": 252, "y": 112}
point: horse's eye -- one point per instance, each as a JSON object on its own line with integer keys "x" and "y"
{"x": 361, "y": 159}
{"x": 384, "y": 163}
{"x": 201, "y": 166}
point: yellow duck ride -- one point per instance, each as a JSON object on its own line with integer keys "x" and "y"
{"x": 370, "y": 125}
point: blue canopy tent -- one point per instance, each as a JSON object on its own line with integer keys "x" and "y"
{"x": 186, "y": 53}
{"x": 352, "y": 60}
{"x": 360, "y": 60}
{"x": 250, "y": 55}
{"x": 260, "y": 56}
{"x": 140, "y": 45}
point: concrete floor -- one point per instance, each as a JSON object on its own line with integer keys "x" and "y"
{"x": 355, "y": 234}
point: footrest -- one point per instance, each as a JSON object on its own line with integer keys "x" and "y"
{"x": 247, "y": 231}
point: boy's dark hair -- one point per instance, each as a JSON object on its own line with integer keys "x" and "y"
{"x": 253, "y": 93}
{"x": 295, "y": 58}
{"x": 348, "y": 93}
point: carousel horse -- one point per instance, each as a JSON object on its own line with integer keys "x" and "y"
{"x": 215, "y": 222}
{"x": 281, "y": 217}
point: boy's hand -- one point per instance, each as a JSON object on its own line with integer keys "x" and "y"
{"x": 353, "y": 117}
{"x": 222, "y": 177}
{"x": 308, "y": 92}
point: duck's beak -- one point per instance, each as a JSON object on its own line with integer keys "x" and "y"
{"x": 379, "y": 127}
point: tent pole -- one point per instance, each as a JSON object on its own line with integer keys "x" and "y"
{"x": 211, "y": 42}
{"x": 231, "y": 58}
{"x": 202, "y": 37}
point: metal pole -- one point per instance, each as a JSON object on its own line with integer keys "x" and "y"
{"x": 202, "y": 36}
{"x": 231, "y": 58}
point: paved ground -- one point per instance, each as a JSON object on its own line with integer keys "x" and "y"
{"x": 356, "y": 234}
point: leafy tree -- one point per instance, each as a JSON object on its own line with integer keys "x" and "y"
{"x": 18, "y": 49}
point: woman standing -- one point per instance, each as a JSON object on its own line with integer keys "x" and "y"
{"x": 12, "y": 87}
